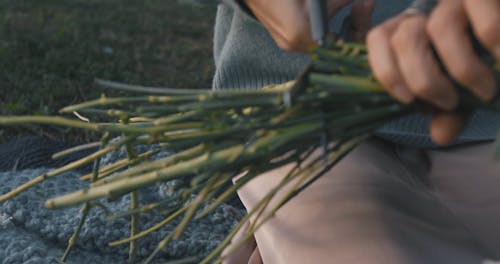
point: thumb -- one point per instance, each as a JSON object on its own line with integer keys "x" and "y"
{"x": 361, "y": 15}
{"x": 445, "y": 127}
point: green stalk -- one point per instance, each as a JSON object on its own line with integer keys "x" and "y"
{"x": 286, "y": 180}
{"x": 76, "y": 149}
{"x": 150, "y": 230}
{"x": 86, "y": 207}
{"x": 160, "y": 246}
{"x": 134, "y": 204}
{"x": 105, "y": 101}
{"x": 144, "y": 208}
{"x": 193, "y": 206}
{"x": 190, "y": 260}
{"x": 154, "y": 165}
{"x": 174, "y": 118}
{"x": 214, "y": 105}
{"x": 72, "y": 240}
{"x": 48, "y": 120}
{"x": 350, "y": 84}
{"x": 146, "y": 90}
{"x": 334, "y": 104}
{"x": 134, "y": 226}
{"x": 214, "y": 161}
{"x": 118, "y": 165}
{"x": 56, "y": 172}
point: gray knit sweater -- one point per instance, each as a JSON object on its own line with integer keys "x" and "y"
{"x": 246, "y": 57}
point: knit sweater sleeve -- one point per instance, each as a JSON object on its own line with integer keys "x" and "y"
{"x": 424, "y": 6}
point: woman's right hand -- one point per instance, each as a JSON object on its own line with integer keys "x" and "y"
{"x": 402, "y": 59}
{"x": 288, "y": 20}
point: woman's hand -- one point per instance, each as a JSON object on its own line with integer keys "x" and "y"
{"x": 288, "y": 20}
{"x": 402, "y": 60}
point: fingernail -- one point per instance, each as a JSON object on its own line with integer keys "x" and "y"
{"x": 402, "y": 94}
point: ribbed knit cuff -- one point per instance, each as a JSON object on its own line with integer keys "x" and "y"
{"x": 247, "y": 78}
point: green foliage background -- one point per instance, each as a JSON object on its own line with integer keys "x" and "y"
{"x": 51, "y": 51}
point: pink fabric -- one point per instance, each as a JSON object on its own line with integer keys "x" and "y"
{"x": 385, "y": 204}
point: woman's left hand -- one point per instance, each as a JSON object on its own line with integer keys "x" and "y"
{"x": 401, "y": 56}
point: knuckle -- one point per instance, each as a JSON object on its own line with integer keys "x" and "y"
{"x": 435, "y": 27}
{"x": 414, "y": 25}
{"x": 463, "y": 73}
{"x": 422, "y": 88}
{"x": 408, "y": 33}
{"x": 375, "y": 35}
{"x": 398, "y": 39}
{"x": 488, "y": 32}
{"x": 385, "y": 75}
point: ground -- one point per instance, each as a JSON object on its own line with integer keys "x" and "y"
{"x": 51, "y": 51}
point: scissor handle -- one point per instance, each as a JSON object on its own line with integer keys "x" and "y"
{"x": 318, "y": 19}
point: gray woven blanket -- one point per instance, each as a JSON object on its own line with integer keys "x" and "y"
{"x": 29, "y": 233}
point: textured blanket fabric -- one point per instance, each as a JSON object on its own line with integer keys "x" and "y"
{"x": 29, "y": 233}
{"x": 35, "y": 152}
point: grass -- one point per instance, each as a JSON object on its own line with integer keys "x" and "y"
{"x": 52, "y": 50}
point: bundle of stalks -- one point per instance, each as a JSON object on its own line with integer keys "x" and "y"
{"x": 334, "y": 105}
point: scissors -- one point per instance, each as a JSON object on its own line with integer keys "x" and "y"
{"x": 318, "y": 19}
{"x": 320, "y": 23}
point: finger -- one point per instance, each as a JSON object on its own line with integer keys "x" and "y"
{"x": 418, "y": 65}
{"x": 298, "y": 39}
{"x": 485, "y": 19}
{"x": 445, "y": 127}
{"x": 361, "y": 15}
{"x": 304, "y": 45}
{"x": 290, "y": 28}
{"x": 454, "y": 47}
{"x": 383, "y": 61}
